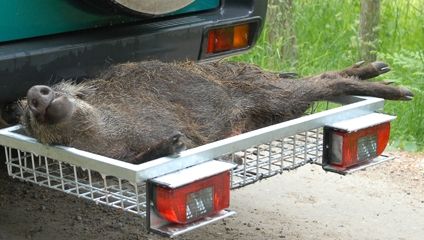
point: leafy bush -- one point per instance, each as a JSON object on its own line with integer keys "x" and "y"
{"x": 327, "y": 39}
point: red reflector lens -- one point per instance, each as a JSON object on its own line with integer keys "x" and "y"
{"x": 228, "y": 38}
{"x": 220, "y": 40}
{"x": 349, "y": 149}
{"x": 193, "y": 201}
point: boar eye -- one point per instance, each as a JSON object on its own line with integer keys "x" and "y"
{"x": 80, "y": 95}
{"x": 84, "y": 94}
{"x": 34, "y": 103}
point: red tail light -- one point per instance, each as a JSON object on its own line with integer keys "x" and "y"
{"x": 228, "y": 38}
{"x": 193, "y": 201}
{"x": 347, "y": 149}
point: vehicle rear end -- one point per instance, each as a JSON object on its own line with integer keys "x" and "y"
{"x": 45, "y": 41}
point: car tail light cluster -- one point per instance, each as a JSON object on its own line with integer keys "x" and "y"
{"x": 354, "y": 143}
{"x": 229, "y": 38}
{"x": 191, "y": 202}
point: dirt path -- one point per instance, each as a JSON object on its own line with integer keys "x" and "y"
{"x": 386, "y": 202}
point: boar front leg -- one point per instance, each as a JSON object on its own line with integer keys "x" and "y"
{"x": 167, "y": 147}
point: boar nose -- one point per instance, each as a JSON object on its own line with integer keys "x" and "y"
{"x": 39, "y": 98}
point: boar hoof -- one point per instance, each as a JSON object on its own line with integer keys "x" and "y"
{"x": 176, "y": 144}
{"x": 381, "y": 67}
{"x": 406, "y": 94}
{"x": 363, "y": 72}
{"x": 171, "y": 146}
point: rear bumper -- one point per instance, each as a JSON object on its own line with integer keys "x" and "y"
{"x": 76, "y": 55}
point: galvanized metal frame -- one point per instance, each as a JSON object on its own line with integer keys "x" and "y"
{"x": 356, "y": 106}
{"x": 259, "y": 154}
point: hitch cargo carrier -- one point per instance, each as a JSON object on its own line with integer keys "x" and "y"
{"x": 248, "y": 158}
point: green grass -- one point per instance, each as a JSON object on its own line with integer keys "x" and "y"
{"x": 327, "y": 39}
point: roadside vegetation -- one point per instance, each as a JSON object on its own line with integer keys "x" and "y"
{"x": 308, "y": 37}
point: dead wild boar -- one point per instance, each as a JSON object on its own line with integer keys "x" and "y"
{"x": 140, "y": 111}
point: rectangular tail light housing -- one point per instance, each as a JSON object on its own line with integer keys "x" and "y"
{"x": 229, "y": 38}
{"x": 189, "y": 197}
{"x": 193, "y": 201}
{"x": 355, "y": 142}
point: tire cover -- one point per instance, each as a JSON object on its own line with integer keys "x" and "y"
{"x": 153, "y": 7}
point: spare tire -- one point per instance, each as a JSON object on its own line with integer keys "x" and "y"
{"x": 141, "y": 7}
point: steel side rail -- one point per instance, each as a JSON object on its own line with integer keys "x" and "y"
{"x": 105, "y": 165}
{"x": 357, "y": 106}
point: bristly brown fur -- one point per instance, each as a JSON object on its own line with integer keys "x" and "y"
{"x": 132, "y": 107}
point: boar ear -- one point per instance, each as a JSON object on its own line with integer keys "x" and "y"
{"x": 11, "y": 112}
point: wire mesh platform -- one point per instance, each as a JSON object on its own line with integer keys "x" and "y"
{"x": 71, "y": 179}
{"x": 253, "y": 164}
{"x": 266, "y": 160}
{"x": 258, "y": 154}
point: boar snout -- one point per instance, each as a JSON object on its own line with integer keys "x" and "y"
{"x": 39, "y": 98}
{"x": 47, "y": 108}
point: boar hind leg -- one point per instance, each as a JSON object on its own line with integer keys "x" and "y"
{"x": 167, "y": 147}
{"x": 365, "y": 71}
{"x": 373, "y": 89}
